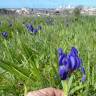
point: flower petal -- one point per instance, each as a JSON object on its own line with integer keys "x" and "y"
{"x": 83, "y": 70}
{"x": 74, "y": 51}
{"x": 79, "y": 62}
{"x": 62, "y": 56}
{"x": 60, "y": 51}
{"x": 5, "y": 34}
{"x": 83, "y": 78}
{"x": 62, "y": 59}
{"x": 84, "y": 74}
{"x": 35, "y": 30}
{"x": 63, "y": 72}
{"x": 73, "y": 62}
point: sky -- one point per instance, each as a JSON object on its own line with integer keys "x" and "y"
{"x": 44, "y": 3}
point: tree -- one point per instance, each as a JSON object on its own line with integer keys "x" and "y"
{"x": 77, "y": 10}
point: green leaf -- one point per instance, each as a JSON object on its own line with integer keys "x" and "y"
{"x": 76, "y": 89}
{"x": 70, "y": 82}
{"x": 65, "y": 87}
{"x": 13, "y": 69}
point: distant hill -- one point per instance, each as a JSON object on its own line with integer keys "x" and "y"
{"x": 41, "y": 11}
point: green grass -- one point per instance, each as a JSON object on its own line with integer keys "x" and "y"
{"x": 29, "y": 62}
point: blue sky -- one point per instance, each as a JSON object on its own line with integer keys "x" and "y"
{"x": 44, "y": 3}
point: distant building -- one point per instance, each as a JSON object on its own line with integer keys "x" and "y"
{"x": 88, "y": 11}
{"x": 23, "y": 11}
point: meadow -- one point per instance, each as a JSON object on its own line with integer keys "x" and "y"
{"x": 29, "y": 60}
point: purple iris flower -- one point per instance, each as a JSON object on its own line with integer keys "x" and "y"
{"x": 69, "y": 63}
{"x": 5, "y": 34}
{"x": 35, "y": 31}
{"x": 29, "y": 27}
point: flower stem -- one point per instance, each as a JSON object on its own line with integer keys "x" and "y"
{"x": 65, "y": 87}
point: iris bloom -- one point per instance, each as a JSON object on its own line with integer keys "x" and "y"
{"x": 32, "y": 29}
{"x": 35, "y": 31}
{"x": 68, "y": 63}
{"x": 29, "y": 27}
{"x": 5, "y": 34}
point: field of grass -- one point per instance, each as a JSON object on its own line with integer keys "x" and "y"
{"x": 30, "y": 61}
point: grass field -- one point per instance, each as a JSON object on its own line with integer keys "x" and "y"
{"x": 29, "y": 61}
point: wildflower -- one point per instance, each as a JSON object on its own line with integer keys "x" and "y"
{"x": 35, "y": 31}
{"x": 29, "y": 27}
{"x": 32, "y": 29}
{"x": 69, "y": 63}
{"x": 84, "y": 74}
{"x": 5, "y": 34}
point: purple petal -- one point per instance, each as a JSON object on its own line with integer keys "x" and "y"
{"x": 74, "y": 51}
{"x": 60, "y": 51}
{"x": 64, "y": 60}
{"x": 63, "y": 72}
{"x": 79, "y": 62}
{"x": 5, "y": 34}
{"x": 83, "y": 70}
{"x": 73, "y": 62}
{"x": 62, "y": 56}
{"x": 29, "y": 27}
{"x": 61, "y": 59}
{"x": 84, "y": 74}
{"x": 83, "y": 78}
{"x": 35, "y": 30}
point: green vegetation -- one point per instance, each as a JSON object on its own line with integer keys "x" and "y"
{"x": 29, "y": 61}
